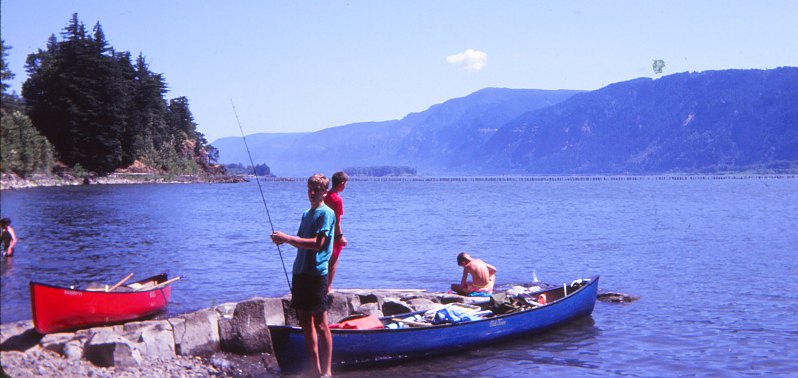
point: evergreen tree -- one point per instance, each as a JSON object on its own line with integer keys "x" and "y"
{"x": 103, "y": 112}
{"x": 22, "y": 149}
{"x": 5, "y": 72}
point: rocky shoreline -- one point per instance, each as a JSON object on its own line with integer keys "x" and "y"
{"x": 10, "y": 181}
{"x": 228, "y": 340}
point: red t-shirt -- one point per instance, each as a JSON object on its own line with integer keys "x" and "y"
{"x": 334, "y": 201}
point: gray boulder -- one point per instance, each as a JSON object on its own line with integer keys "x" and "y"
{"x": 73, "y": 349}
{"x": 370, "y": 309}
{"x": 371, "y": 298}
{"x": 289, "y": 314}
{"x": 106, "y": 349}
{"x": 152, "y": 338}
{"x": 390, "y": 308}
{"x": 421, "y": 304}
{"x": 56, "y": 341}
{"x": 452, "y": 298}
{"x": 341, "y": 306}
{"x": 247, "y": 331}
{"x": 196, "y": 333}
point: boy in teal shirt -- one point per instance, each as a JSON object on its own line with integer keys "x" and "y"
{"x": 314, "y": 243}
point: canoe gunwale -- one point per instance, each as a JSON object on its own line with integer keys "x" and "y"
{"x": 158, "y": 278}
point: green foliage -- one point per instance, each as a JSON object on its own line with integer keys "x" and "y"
{"x": 79, "y": 172}
{"x": 5, "y": 73}
{"x": 239, "y": 169}
{"x": 102, "y": 111}
{"x": 24, "y": 150}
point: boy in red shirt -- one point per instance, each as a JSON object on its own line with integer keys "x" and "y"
{"x": 334, "y": 201}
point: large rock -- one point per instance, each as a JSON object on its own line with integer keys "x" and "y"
{"x": 370, "y": 309}
{"x": 73, "y": 349}
{"x": 154, "y": 338}
{"x": 371, "y": 298}
{"x": 390, "y": 308}
{"x": 247, "y": 332}
{"x": 341, "y": 306}
{"x": 226, "y": 310}
{"x": 56, "y": 341}
{"x": 452, "y": 298}
{"x": 106, "y": 349}
{"x": 289, "y": 314}
{"x": 197, "y": 333}
{"x": 422, "y": 304}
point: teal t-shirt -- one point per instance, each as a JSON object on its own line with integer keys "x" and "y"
{"x": 320, "y": 220}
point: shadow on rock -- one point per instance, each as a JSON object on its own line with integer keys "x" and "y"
{"x": 23, "y": 341}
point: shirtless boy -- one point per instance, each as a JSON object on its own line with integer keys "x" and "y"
{"x": 483, "y": 276}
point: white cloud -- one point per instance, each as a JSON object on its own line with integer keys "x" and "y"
{"x": 470, "y": 60}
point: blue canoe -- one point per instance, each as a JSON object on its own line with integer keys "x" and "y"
{"x": 355, "y": 347}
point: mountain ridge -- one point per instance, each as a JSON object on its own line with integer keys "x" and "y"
{"x": 711, "y": 121}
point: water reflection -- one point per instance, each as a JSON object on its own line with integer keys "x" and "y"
{"x": 5, "y": 266}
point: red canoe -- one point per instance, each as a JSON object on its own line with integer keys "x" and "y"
{"x": 58, "y": 309}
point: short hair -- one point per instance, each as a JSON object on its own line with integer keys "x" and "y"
{"x": 463, "y": 258}
{"x": 339, "y": 177}
{"x": 5, "y": 221}
{"x": 319, "y": 181}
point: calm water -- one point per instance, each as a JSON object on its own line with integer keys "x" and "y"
{"x": 714, "y": 261}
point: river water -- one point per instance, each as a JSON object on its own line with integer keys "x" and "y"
{"x": 714, "y": 262}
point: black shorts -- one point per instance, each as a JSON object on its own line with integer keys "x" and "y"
{"x": 309, "y": 293}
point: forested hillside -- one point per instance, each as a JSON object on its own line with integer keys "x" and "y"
{"x": 99, "y": 109}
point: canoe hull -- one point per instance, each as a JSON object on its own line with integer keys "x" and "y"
{"x": 56, "y": 309}
{"x": 354, "y": 347}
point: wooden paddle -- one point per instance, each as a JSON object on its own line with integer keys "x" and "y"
{"x": 120, "y": 282}
{"x": 166, "y": 282}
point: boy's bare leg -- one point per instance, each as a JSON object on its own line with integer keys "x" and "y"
{"x": 331, "y": 273}
{"x": 325, "y": 347}
{"x": 306, "y": 321}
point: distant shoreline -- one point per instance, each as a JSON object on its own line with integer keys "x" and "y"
{"x": 14, "y": 182}
{"x": 675, "y": 177}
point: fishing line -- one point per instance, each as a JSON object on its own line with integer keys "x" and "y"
{"x": 263, "y": 197}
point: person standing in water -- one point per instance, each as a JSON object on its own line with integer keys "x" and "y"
{"x": 334, "y": 201}
{"x": 9, "y": 237}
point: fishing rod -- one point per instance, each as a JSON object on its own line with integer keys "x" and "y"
{"x": 263, "y": 197}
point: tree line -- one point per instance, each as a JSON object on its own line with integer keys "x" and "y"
{"x": 381, "y": 171}
{"x": 85, "y": 104}
{"x": 241, "y": 170}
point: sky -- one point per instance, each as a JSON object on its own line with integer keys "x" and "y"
{"x": 296, "y": 66}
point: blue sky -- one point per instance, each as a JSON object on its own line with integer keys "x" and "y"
{"x": 303, "y": 66}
